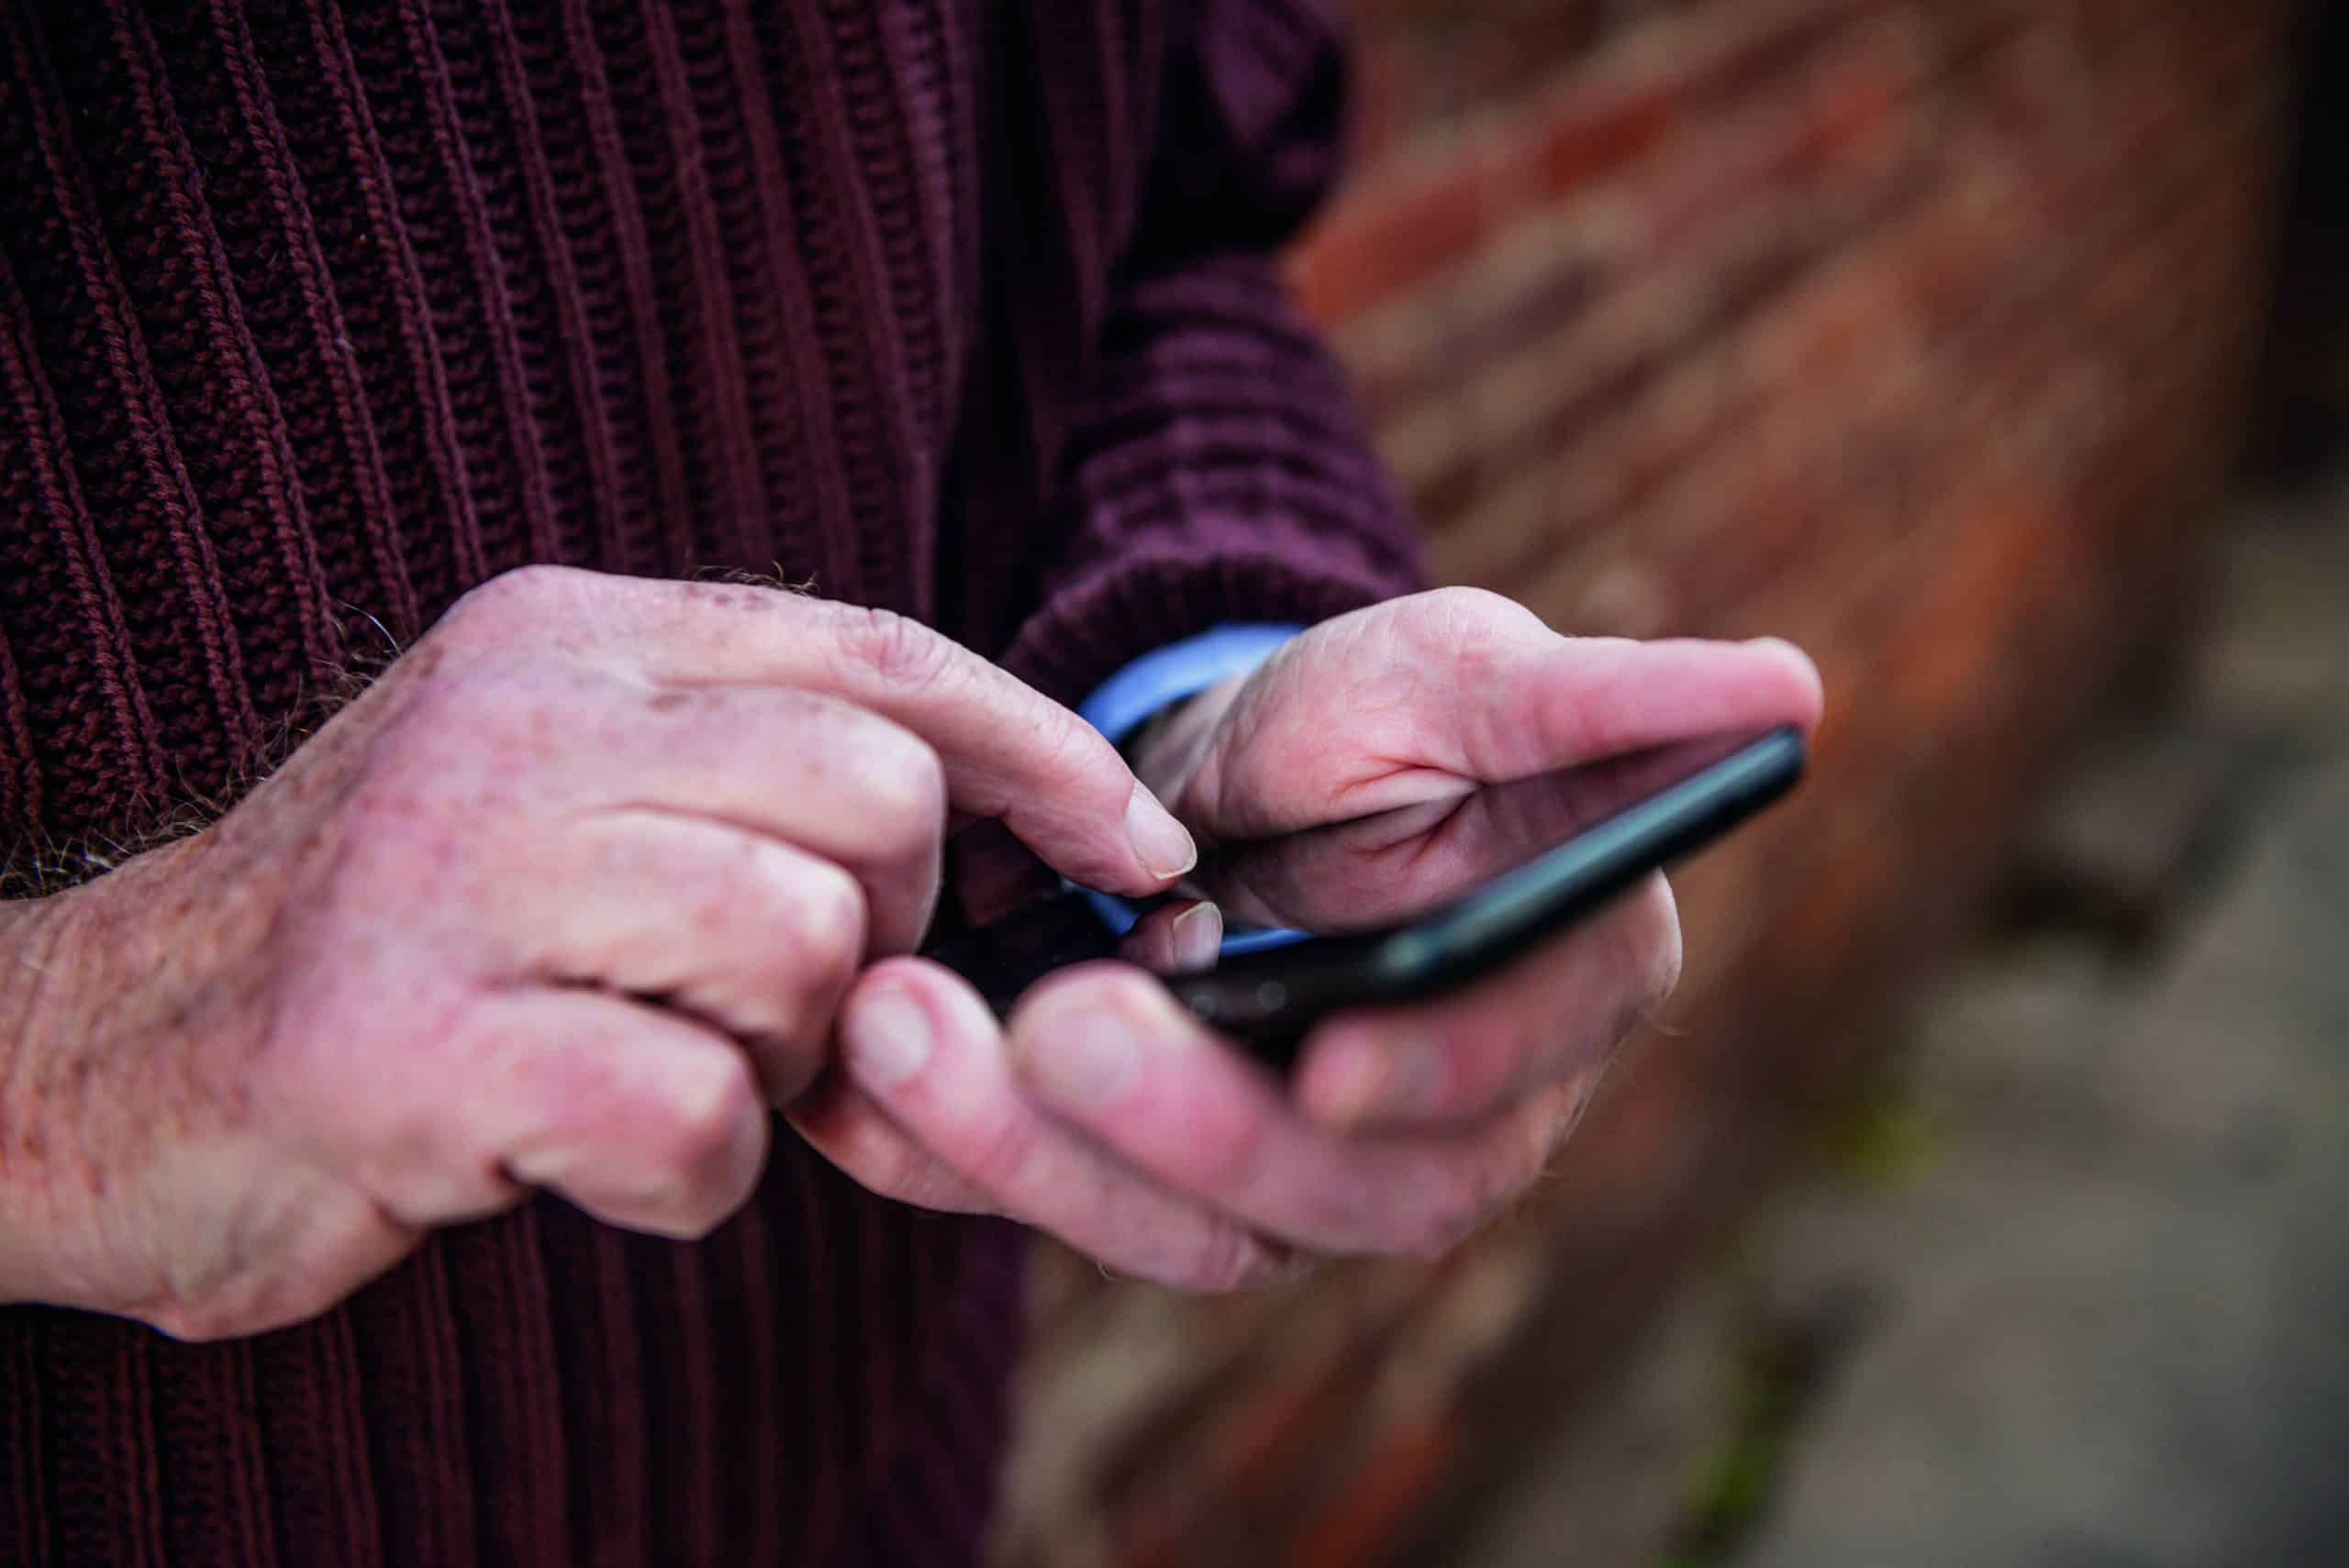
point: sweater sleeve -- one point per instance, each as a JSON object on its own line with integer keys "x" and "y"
{"x": 1220, "y": 470}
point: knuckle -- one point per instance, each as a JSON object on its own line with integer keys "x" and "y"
{"x": 1453, "y": 609}
{"x": 828, "y": 923}
{"x": 511, "y": 595}
{"x": 999, "y": 1158}
{"x": 702, "y": 1118}
{"x": 904, "y": 789}
{"x": 901, "y": 650}
{"x": 1072, "y": 753}
{"x": 1466, "y": 599}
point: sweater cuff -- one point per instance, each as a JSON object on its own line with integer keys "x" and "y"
{"x": 1160, "y": 679}
{"x": 1104, "y": 620}
{"x": 1157, "y": 681}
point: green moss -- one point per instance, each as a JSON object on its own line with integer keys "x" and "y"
{"x": 1776, "y": 1375}
{"x": 1880, "y": 1139}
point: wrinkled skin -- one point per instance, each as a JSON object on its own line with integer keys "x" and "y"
{"x": 1108, "y": 1115}
{"x": 602, "y": 870}
{"x": 565, "y": 901}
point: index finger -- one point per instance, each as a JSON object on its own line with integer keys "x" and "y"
{"x": 1009, "y": 751}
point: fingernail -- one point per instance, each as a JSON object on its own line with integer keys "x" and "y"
{"x": 1087, "y": 1058}
{"x": 890, "y": 1035}
{"x": 1163, "y": 844}
{"x": 1199, "y": 938}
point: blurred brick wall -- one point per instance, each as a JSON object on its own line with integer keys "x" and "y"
{"x": 1916, "y": 332}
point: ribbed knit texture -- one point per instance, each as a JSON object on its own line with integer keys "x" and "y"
{"x": 311, "y": 318}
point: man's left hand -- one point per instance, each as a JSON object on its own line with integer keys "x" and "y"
{"x": 1110, "y": 1117}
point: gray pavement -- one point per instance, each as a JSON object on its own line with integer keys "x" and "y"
{"x": 2073, "y": 1286}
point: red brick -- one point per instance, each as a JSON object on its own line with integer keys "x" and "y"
{"x": 1389, "y": 233}
{"x": 1394, "y": 1482}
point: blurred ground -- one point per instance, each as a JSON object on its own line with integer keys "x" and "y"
{"x": 2070, "y": 1284}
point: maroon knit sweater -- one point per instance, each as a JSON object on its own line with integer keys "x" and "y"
{"x": 310, "y": 319}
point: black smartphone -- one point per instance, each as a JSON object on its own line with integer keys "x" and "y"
{"x": 1406, "y": 903}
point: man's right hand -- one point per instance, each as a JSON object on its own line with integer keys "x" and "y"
{"x": 564, "y": 901}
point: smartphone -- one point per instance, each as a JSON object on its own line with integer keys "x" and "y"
{"x": 1407, "y": 904}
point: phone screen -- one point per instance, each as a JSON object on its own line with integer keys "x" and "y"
{"x": 1378, "y": 873}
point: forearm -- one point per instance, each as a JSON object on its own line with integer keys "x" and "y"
{"x": 1225, "y": 477}
{"x": 126, "y": 1003}
{"x": 1221, "y": 472}
{"x": 36, "y": 985}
